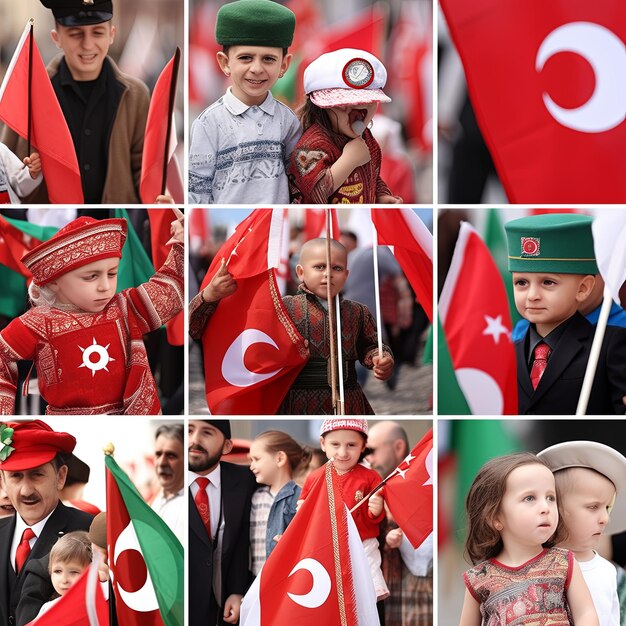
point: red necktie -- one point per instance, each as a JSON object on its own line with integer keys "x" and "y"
{"x": 542, "y": 352}
{"x": 202, "y": 503}
{"x": 23, "y": 550}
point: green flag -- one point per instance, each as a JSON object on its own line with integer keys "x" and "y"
{"x": 451, "y": 400}
{"x": 162, "y": 552}
{"x": 135, "y": 266}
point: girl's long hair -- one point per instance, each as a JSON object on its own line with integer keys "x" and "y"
{"x": 278, "y": 441}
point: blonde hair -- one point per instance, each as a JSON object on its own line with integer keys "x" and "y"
{"x": 41, "y": 296}
{"x": 72, "y": 547}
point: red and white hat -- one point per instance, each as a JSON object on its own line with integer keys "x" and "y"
{"x": 345, "y": 77}
{"x": 345, "y": 423}
{"x": 82, "y": 241}
{"x": 25, "y": 445}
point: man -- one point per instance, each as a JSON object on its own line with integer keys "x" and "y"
{"x": 407, "y": 571}
{"x": 33, "y": 473}
{"x": 219, "y": 521}
{"x": 169, "y": 463}
{"x": 105, "y": 110}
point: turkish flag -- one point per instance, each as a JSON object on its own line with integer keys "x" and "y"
{"x": 315, "y": 224}
{"x": 409, "y": 492}
{"x": 84, "y": 603}
{"x": 474, "y": 312}
{"x": 547, "y": 83}
{"x": 14, "y": 244}
{"x": 317, "y": 573}
{"x": 160, "y": 221}
{"x": 160, "y": 134}
{"x": 412, "y": 245}
{"x": 49, "y": 131}
{"x": 252, "y": 350}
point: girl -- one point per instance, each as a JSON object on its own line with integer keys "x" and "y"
{"x": 344, "y": 442}
{"x": 337, "y": 160}
{"x": 69, "y": 556}
{"x": 518, "y": 576}
{"x": 275, "y": 457}
{"x": 85, "y": 339}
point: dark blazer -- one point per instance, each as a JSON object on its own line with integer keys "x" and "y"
{"x": 238, "y": 485}
{"x": 63, "y": 520}
{"x": 559, "y": 388}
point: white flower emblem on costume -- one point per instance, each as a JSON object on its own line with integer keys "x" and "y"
{"x": 101, "y": 363}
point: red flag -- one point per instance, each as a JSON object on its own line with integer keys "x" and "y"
{"x": 409, "y": 493}
{"x": 474, "y": 312}
{"x": 252, "y": 350}
{"x": 160, "y": 221}
{"x": 315, "y": 224}
{"x": 547, "y": 83}
{"x": 13, "y": 245}
{"x": 412, "y": 245}
{"x": 312, "y": 576}
{"x": 160, "y": 137}
{"x": 49, "y": 131}
{"x": 83, "y": 604}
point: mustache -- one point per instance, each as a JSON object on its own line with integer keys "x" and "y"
{"x": 197, "y": 448}
{"x": 31, "y": 500}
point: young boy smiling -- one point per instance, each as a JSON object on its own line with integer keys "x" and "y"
{"x": 552, "y": 260}
{"x": 240, "y": 145}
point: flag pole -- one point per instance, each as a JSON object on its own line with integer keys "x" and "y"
{"x": 379, "y": 322}
{"x": 339, "y": 343}
{"x": 169, "y": 118}
{"x": 373, "y": 491}
{"x": 333, "y": 363}
{"x": 31, "y": 22}
{"x": 594, "y": 354}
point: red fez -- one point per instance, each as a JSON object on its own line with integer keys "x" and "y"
{"x": 82, "y": 241}
{"x": 34, "y": 443}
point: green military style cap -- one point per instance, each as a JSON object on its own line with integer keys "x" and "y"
{"x": 80, "y": 12}
{"x": 553, "y": 242}
{"x": 255, "y": 23}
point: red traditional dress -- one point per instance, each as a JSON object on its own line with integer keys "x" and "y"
{"x": 310, "y": 179}
{"x": 528, "y": 595}
{"x": 94, "y": 363}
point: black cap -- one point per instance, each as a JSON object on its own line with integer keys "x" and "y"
{"x": 222, "y": 425}
{"x": 80, "y": 12}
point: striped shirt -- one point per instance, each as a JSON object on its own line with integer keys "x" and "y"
{"x": 262, "y": 501}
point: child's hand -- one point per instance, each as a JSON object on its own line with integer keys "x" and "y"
{"x": 298, "y": 505}
{"x": 165, "y": 199}
{"x": 177, "y": 227}
{"x": 375, "y": 505}
{"x": 276, "y": 538}
{"x": 357, "y": 152}
{"x": 221, "y": 285}
{"x": 385, "y": 199}
{"x": 383, "y": 367}
{"x": 33, "y": 162}
{"x": 394, "y": 538}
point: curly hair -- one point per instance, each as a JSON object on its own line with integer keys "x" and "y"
{"x": 483, "y": 505}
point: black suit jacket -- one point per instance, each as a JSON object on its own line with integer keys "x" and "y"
{"x": 559, "y": 388}
{"x": 12, "y": 609}
{"x": 238, "y": 485}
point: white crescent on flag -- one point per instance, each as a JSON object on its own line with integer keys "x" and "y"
{"x": 234, "y": 370}
{"x": 321, "y": 584}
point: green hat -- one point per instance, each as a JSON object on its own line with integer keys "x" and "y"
{"x": 255, "y": 23}
{"x": 552, "y": 242}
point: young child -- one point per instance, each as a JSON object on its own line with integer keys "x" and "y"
{"x": 551, "y": 257}
{"x": 86, "y": 340}
{"x": 240, "y": 145}
{"x": 590, "y": 481}
{"x": 69, "y": 557}
{"x": 17, "y": 181}
{"x": 310, "y": 394}
{"x": 518, "y": 577}
{"x": 274, "y": 458}
{"x": 337, "y": 159}
{"x": 344, "y": 441}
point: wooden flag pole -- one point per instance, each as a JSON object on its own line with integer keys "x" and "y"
{"x": 333, "y": 363}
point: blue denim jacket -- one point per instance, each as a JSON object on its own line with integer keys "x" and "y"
{"x": 281, "y": 513}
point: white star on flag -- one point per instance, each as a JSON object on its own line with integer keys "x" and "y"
{"x": 495, "y": 328}
{"x": 407, "y": 460}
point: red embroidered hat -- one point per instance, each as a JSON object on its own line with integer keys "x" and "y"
{"x": 350, "y": 423}
{"x": 31, "y": 444}
{"x": 79, "y": 243}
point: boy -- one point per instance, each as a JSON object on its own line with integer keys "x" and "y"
{"x": 105, "y": 110}
{"x": 310, "y": 393}
{"x": 240, "y": 145}
{"x": 552, "y": 260}
{"x": 590, "y": 481}
{"x": 86, "y": 340}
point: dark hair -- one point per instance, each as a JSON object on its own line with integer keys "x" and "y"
{"x": 225, "y": 49}
{"x": 278, "y": 441}
{"x": 310, "y": 114}
{"x": 171, "y": 431}
{"x": 483, "y": 504}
